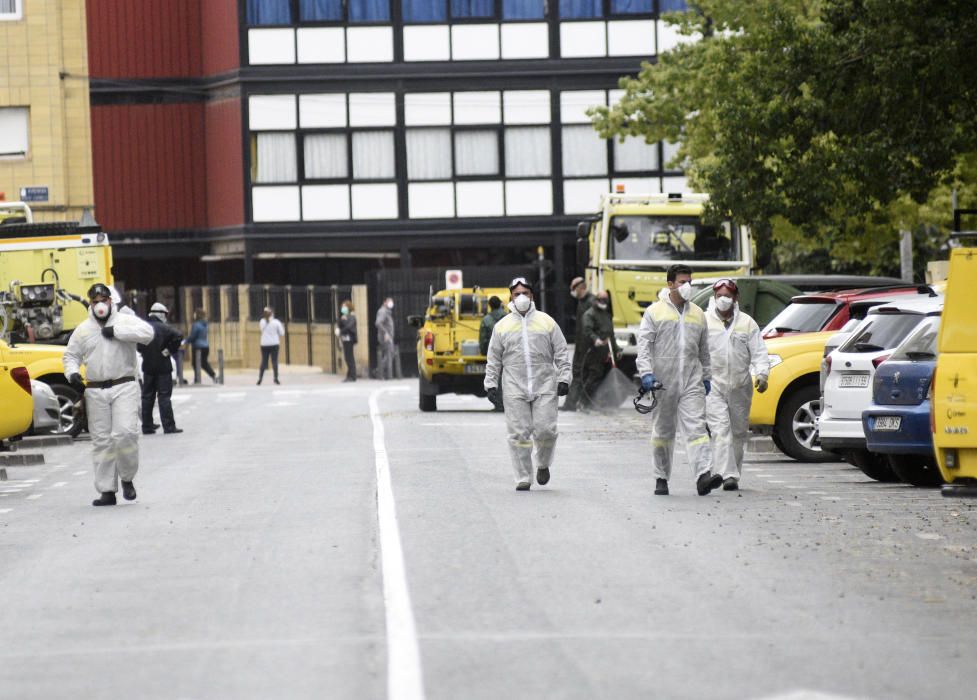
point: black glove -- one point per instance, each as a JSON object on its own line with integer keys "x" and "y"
{"x": 108, "y": 332}
{"x": 493, "y": 395}
{"x": 75, "y": 381}
{"x": 562, "y": 389}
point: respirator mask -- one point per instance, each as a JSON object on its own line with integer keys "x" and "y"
{"x": 522, "y": 303}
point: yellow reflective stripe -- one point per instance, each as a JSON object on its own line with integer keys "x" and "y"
{"x": 659, "y": 442}
{"x": 661, "y": 311}
{"x": 699, "y": 440}
{"x": 522, "y": 443}
{"x": 540, "y": 324}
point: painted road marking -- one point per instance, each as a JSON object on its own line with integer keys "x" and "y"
{"x": 5, "y": 510}
{"x": 928, "y": 536}
{"x": 81, "y": 473}
{"x": 34, "y": 496}
{"x": 58, "y": 484}
{"x": 405, "y": 680}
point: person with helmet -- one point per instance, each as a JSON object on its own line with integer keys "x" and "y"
{"x": 528, "y": 361}
{"x": 585, "y": 300}
{"x": 157, "y": 371}
{"x": 673, "y": 349}
{"x": 736, "y": 349}
{"x": 105, "y": 343}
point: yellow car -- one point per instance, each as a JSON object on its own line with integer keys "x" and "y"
{"x": 954, "y": 385}
{"x": 16, "y": 399}
{"x": 45, "y": 363}
{"x": 790, "y": 407}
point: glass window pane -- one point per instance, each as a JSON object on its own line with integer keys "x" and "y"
{"x": 373, "y": 155}
{"x": 476, "y": 153}
{"x": 672, "y": 6}
{"x": 630, "y": 7}
{"x": 276, "y": 158}
{"x": 428, "y": 154}
{"x": 325, "y": 156}
{"x": 269, "y": 12}
{"x": 570, "y": 9}
{"x": 523, "y": 9}
{"x": 425, "y": 10}
{"x": 321, "y": 10}
{"x": 472, "y": 8}
{"x": 369, "y": 10}
{"x": 635, "y": 155}
{"x": 584, "y": 152}
{"x": 527, "y": 151}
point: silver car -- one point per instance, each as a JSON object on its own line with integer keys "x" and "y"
{"x": 47, "y": 410}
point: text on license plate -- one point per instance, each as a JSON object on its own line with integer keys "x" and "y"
{"x": 474, "y": 369}
{"x": 888, "y": 422}
{"x": 853, "y": 380}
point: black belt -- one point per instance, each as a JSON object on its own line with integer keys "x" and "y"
{"x": 109, "y": 384}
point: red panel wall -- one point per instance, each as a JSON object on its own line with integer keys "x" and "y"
{"x": 221, "y": 45}
{"x": 225, "y": 163}
{"x": 149, "y": 166}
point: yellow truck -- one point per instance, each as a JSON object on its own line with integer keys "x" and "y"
{"x": 633, "y": 239}
{"x": 45, "y": 272}
{"x": 448, "y": 357}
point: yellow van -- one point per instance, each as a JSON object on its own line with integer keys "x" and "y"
{"x": 954, "y": 402}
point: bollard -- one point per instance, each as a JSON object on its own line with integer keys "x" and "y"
{"x": 196, "y": 366}
{"x": 220, "y": 366}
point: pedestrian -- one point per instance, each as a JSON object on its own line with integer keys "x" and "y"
{"x": 200, "y": 346}
{"x": 272, "y": 332}
{"x": 599, "y": 346}
{"x": 494, "y": 315}
{"x": 673, "y": 348}
{"x": 528, "y": 362}
{"x": 736, "y": 350}
{"x": 384, "y": 324}
{"x": 578, "y": 290}
{"x": 105, "y": 343}
{"x": 346, "y": 330}
{"x": 157, "y": 372}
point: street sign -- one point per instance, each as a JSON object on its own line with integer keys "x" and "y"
{"x": 452, "y": 279}
{"x": 33, "y": 194}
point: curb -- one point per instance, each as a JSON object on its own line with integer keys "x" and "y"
{"x": 761, "y": 445}
{"x": 45, "y": 441}
{"x": 27, "y": 459}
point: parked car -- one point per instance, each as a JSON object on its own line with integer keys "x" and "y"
{"x": 897, "y": 424}
{"x": 15, "y": 398}
{"x": 851, "y": 369}
{"x": 47, "y": 410}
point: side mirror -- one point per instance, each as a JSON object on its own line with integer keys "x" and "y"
{"x": 583, "y": 253}
{"x": 415, "y": 321}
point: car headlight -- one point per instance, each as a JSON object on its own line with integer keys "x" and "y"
{"x": 775, "y": 360}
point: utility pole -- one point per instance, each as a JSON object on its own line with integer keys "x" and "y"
{"x": 906, "y": 255}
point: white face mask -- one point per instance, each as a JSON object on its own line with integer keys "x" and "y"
{"x": 390, "y": 304}
{"x": 685, "y": 291}
{"x": 522, "y": 303}
{"x": 724, "y": 303}
{"x": 602, "y": 306}
{"x": 101, "y": 310}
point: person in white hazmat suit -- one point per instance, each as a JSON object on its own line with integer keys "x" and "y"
{"x": 528, "y": 359}
{"x": 738, "y": 354}
{"x": 673, "y": 348}
{"x": 105, "y": 343}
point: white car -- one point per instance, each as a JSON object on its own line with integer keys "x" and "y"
{"x": 850, "y": 371}
{"x": 47, "y": 409}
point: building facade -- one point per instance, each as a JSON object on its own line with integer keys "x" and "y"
{"x": 45, "y": 128}
{"x": 308, "y": 141}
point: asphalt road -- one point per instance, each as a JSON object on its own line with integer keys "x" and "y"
{"x": 257, "y": 563}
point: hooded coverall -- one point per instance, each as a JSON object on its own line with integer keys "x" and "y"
{"x": 113, "y": 412}
{"x": 736, "y": 350}
{"x": 528, "y": 357}
{"x": 674, "y": 346}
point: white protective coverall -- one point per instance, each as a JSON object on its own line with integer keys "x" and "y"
{"x": 528, "y": 357}
{"x": 674, "y": 346}
{"x": 113, "y": 413}
{"x": 736, "y": 351}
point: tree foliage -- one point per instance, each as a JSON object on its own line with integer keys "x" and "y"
{"x": 830, "y": 123}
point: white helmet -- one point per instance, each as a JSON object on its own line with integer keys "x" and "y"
{"x": 160, "y": 308}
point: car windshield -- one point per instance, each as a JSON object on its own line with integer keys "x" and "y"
{"x": 802, "y": 317}
{"x": 881, "y": 332}
{"x": 920, "y": 344}
{"x": 671, "y": 238}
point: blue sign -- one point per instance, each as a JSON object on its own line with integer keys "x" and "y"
{"x": 33, "y": 194}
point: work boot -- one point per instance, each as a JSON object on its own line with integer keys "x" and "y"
{"x": 707, "y": 482}
{"x": 128, "y": 491}
{"x": 523, "y": 486}
{"x": 661, "y": 487}
{"x": 542, "y": 476}
{"x": 171, "y": 431}
{"x": 731, "y": 484}
{"x": 149, "y": 431}
{"x": 106, "y": 499}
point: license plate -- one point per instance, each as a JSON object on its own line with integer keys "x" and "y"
{"x": 888, "y": 422}
{"x": 474, "y": 369}
{"x": 853, "y": 381}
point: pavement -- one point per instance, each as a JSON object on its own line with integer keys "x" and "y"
{"x": 318, "y": 539}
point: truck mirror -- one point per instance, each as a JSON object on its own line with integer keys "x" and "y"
{"x": 583, "y": 252}
{"x": 415, "y": 321}
{"x": 583, "y": 230}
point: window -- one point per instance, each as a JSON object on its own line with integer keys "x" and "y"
{"x": 584, "y": 152}
{"x": 523, "y": 9}
{"x": 527, "y": 151}
{"x": 273, "y": 158}
{"x": 631, "y": 7}
{"x": 321, "y": 10}
{"x": 472, "y": 9}
{"x": 425, "y": 10}
{"x": 326, "y": 157}
{"x": 429, "y": 154}
{"x": 10, "y": 10}
{"x": 416, "y": 11}
{"x": 263, "y": 12}
{"x": 581, "y": 9}
{"x": 634, "y": 155}
{"x": 477, "y": 152}
{"x": 369, "y": 10}
{"x": 14, "y": 132}
{"x": 278, "y": 12}
{"x": 672, "y": 6}
{"x": 373, "y": 155}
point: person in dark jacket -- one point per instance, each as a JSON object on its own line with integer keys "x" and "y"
{"x": 157, "y": 371}
{"x": 197, "y": 340}
{"x": 495, "y": 313}
{"x": 598, "y": 344}
{"x": 578, "y": 290}
{"x": 346, "y": 330}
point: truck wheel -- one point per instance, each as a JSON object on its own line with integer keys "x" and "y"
{"x": 796, "y": 429}
{"x": 874, "y": 466}
{"x": 427, "y": 402}
{"x": 916, "y": 470}
{"x": 66, "y": 401}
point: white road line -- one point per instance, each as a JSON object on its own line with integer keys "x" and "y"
{"x": 5, "y": 510}
{"x": 58, "y": 484}
{"x": 405, "y": 680}
{"x": 81, "y": 473}
{"x": 180, "y": 398}
{"x": 231, "y": 395}
{"x": 34, "y": 496}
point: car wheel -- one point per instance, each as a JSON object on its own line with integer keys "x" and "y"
{"x": 427, "y": 402}
{"x": 796, "y": 429}
{"x": 874, "y": 466}
{"x": 916, "y": 470}
{"x": 66, "y": 403}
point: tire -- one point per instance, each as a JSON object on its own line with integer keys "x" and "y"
{"x": 795, "y": 431}
{"x": 872, "y": 465}
{"x": 67, "y": 397}
{"x": 916, "y": 470}
{"x": 427, "y": 402}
